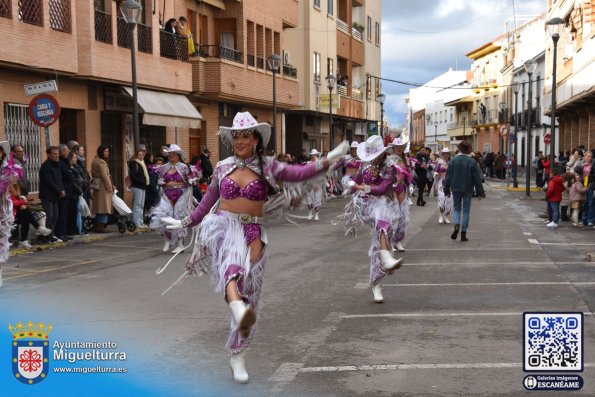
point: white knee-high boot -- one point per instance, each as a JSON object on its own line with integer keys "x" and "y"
{"x": 377, "y": 291}
{"x": 243, "y": 315}
{"x": 389, "y": 263}
{"x": 238, "y": 368}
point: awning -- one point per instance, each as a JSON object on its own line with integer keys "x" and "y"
{"x": 216, "y": 3}
{"x": 165, "y": 109}
{"x": 466, "y": 99}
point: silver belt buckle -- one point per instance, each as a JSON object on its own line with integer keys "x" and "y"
{"x": 245, "y": 218}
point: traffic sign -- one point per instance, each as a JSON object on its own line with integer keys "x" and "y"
{"x": 547, "y": 138}
{"x": 44, "y": 110}
{"x": 503, "y": 130}
{"x": 41, "y": 87}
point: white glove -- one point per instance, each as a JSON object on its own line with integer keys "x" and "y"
{"x": 192, "y": 181}
{"x": 160, "y": 182}
{"x": 172, "y": 223}
{"x": 334, "y": 155}
{"x": 347, "y": 190}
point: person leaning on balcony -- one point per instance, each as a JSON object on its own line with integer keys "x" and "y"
{"x": 171, "y": 25}
{"x": 184, "y": 31}
{"x": 102, "y": 189}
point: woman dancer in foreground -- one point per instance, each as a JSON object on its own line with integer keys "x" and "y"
{"x": 232, "y": 234}
{"x": 9, "y": 172}
{"x": 374, "y": 183}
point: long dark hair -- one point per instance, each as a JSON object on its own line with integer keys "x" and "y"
{"x": 100, "y": 151}
{"x": 260, "y": 152}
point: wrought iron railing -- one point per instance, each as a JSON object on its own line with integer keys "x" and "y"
{"x": 260, "y": 62}
{"x": 250, "y": 60}
{"x": 289, "y": 71}
{"x": 123, "y": 33}
{"x": 103, "y": 27}
{"x": 173, "y": 46}
{"x": 145, "y": 43}
{"x": 60, "y": 15}
{"x": 218, "y": 51}
{"x": 5, "y": 8}
{"x": 31, "y": 11}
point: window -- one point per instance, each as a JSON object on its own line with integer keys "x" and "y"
{"x": 316, "y": 67}
{"x": 369, "y": 28}
{"x": 330, "y": 66}
{"x": 331, "y": 10}
{"x": 317, "y": 3}
{"x": 377, "y": 30}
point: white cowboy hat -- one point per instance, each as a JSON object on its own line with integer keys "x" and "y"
{"x": 314, "y": 152}
{"x": 397, "y": 142}
{"x": 371, "y": 149}
{"x": 5, "y": 147}
{"x": 445, "y": 150}
{"x": 245, "y": 121}
{"x": 173, "y": 148}
{"x": 354, "y": 144}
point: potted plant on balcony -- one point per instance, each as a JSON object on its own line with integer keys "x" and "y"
{"x": 359, "y": 27}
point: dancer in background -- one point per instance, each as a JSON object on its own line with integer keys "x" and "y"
{"x": 403, "y": 180}
{"x": 444, "y": 203}
{"x": 231, "y": 241}
{"x": 314, "y": 199}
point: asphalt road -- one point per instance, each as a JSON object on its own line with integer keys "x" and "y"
{"x": 451, "y": 323}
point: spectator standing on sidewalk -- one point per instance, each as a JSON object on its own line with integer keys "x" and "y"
{"x": 586, "y": 178}
{"x": 462, "y": 177}
{"x": 139, "y": 175}
{"x": 18, "y": 156}
{"x": 102, "y": 189}
{"x": 64, "y": 202}
{"x": 554, "y": 197}
{"x": 51, "y": 190}
{"x": 578, "y": 196}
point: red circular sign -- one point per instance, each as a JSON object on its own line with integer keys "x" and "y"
{"x": 547, "y": 138}
{"x": 44, "y": 110}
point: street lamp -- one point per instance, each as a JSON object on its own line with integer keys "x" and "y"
{"x": 381, "y": 98}
{"x": 330, "y": 82}
{"x": 516, "y": 87}
{"x": 553, "y": 28}
{"x": 274, "y": 62}
{"x": 436, "y": 135}
{"x": 464, "y": 123}
{"x": 530, "y": 67}
{"x": 501, "y": 120}
{"x": 130, "y": 12}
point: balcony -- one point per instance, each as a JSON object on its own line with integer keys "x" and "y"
{"x": 219, "y": 51}
{"x": 357, "y": 95}
{"x": 145, "y": 44}
{"x": 351, "y": 108}
{"x": 357, "y": 34}
{"x": 342, "y": 90}
{"x": 523, "y": 118}
{"x": 5, "y": 8}
{"x": 103, "y": 27}
{"x": 123, "y": 33}
{"x": 250, "y": 60}
{"x": 289, "y": 71}
{"x": 342, "y": 26}
{"x": 173, "y": 46}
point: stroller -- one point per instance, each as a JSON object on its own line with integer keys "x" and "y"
{"x": 122, "y": 218}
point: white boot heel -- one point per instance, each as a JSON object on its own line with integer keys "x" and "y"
{"x": 440, "y": 219}
{"x": 238, "y": 368}
{"x": 244, "y": 316}
{"x": 377, "y": 291}
{"x": 400, "y": 247}
{"x": 446, "y": 219}
{"x": 389, "y": 263}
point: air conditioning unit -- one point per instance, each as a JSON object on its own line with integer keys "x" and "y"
{"x": 286, "y": 58}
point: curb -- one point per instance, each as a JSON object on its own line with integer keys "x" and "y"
{"x": 82, "y": 240}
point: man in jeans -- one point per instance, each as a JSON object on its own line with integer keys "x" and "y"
{"x": 139, "y": 177}
{"x": 462, "y": 176}
{"x": 51, "y": 190}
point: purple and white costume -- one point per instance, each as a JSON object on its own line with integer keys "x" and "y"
{"x": 403, "y": 179}
{"x": 445, "y": 204}
{"x": 176, "y": 201}
{"x": 378, "y": 209}
{"x": 7, "y": 173}
{"x": 223, "y": 239}
{"x": 351, "y": 165}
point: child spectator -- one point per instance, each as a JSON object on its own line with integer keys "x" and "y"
{"x": 578, "y": 196}
{"x": 554, "y": 197}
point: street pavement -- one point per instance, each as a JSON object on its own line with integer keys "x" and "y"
{"x": 451, "y": 322}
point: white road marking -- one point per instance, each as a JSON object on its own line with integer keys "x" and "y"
{"x": 488, "y": 284}
{"x": 285, "y": 374}
{"x": 532, "y": 241}
{"x": 527, "y": 234}
{"x": 439, "y": 314}
{"x": 501, "y": 248}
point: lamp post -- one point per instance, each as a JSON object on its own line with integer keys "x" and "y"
{"x": 553, "y": 27}
{"x": 501, "y": 120}
{"x": 381, "y": 99}
{"x": 516, "y": 88}
{"x": 130, "y": 12}
{"x": 530, "y": 67}
{"x": 274, "y": 62}
{"x": 436, "y": 135}
{"x": 330, "y": 82}
{"x": 464, "y": 123}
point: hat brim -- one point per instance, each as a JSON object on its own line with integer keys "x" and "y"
{"x": 263, "y": 128}
{"x": 361, "y": 153}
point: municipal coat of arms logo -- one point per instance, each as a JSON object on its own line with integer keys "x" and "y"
{"x": 30, "y": 351}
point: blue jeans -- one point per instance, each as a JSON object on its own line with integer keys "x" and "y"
{"x": 589, "y": 209}
{"x": 465, "y": 198}
{"x": 554, "y": 208}
{"x": 138, "y": 204}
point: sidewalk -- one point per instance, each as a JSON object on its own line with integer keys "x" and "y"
{"x": 84, "y": 239}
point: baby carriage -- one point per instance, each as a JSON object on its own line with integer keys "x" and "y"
{"x": 120, "y": 218}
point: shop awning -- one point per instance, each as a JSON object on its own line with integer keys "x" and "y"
{"x": 216, "y": 3}
{"x": 466, "y": 99}
{"x": 165, "y": 109}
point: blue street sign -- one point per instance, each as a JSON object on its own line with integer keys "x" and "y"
{"x": 44, "y": 110}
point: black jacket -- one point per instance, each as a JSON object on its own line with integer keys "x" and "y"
{"x": 50, "y": 181}
{"x": 137, "y": 175}
{"x": 206, "y": 166}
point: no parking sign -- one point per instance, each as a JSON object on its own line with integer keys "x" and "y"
{"x": 44, "y": 110}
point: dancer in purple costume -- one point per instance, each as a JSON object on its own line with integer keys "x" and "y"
{"x": 445, "y": 203}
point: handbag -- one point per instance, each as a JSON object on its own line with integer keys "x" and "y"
{"x": 85, "y": 211}
{"x": 96, "y": 183}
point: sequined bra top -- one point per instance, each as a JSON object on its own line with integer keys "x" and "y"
{"x": 254, "y": 191}
{"x": 173, "y": 177}
{"x": 371, "y": 178}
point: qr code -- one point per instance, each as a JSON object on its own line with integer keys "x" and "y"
{"x": 553, "y": 342}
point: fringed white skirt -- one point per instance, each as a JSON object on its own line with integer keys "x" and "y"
{"x": 181, "y": 209}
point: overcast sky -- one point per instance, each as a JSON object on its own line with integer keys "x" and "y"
{"x": 421, "y": 39}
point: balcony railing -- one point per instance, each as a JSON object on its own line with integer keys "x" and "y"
{"x": 342, "y": 26}
{"x": 218, "y": 51}
{"x": 523, "y": 118}
{"x": 145, "y": 44}
{"x": 31, "y": 11}
{"x": 357, "y": 34}
{"x": 260, "y": 62}
{"x": 173, "y": 46}
{"x": 123, "y": 33}
{"x": 5, "y": 8}
{"x": 250, "y": 60}
{"x": 289, "y": 71}
{"x": 103, "y": 27}
{"x": 60, "y": 15}
{"x": 342, "y": 90}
